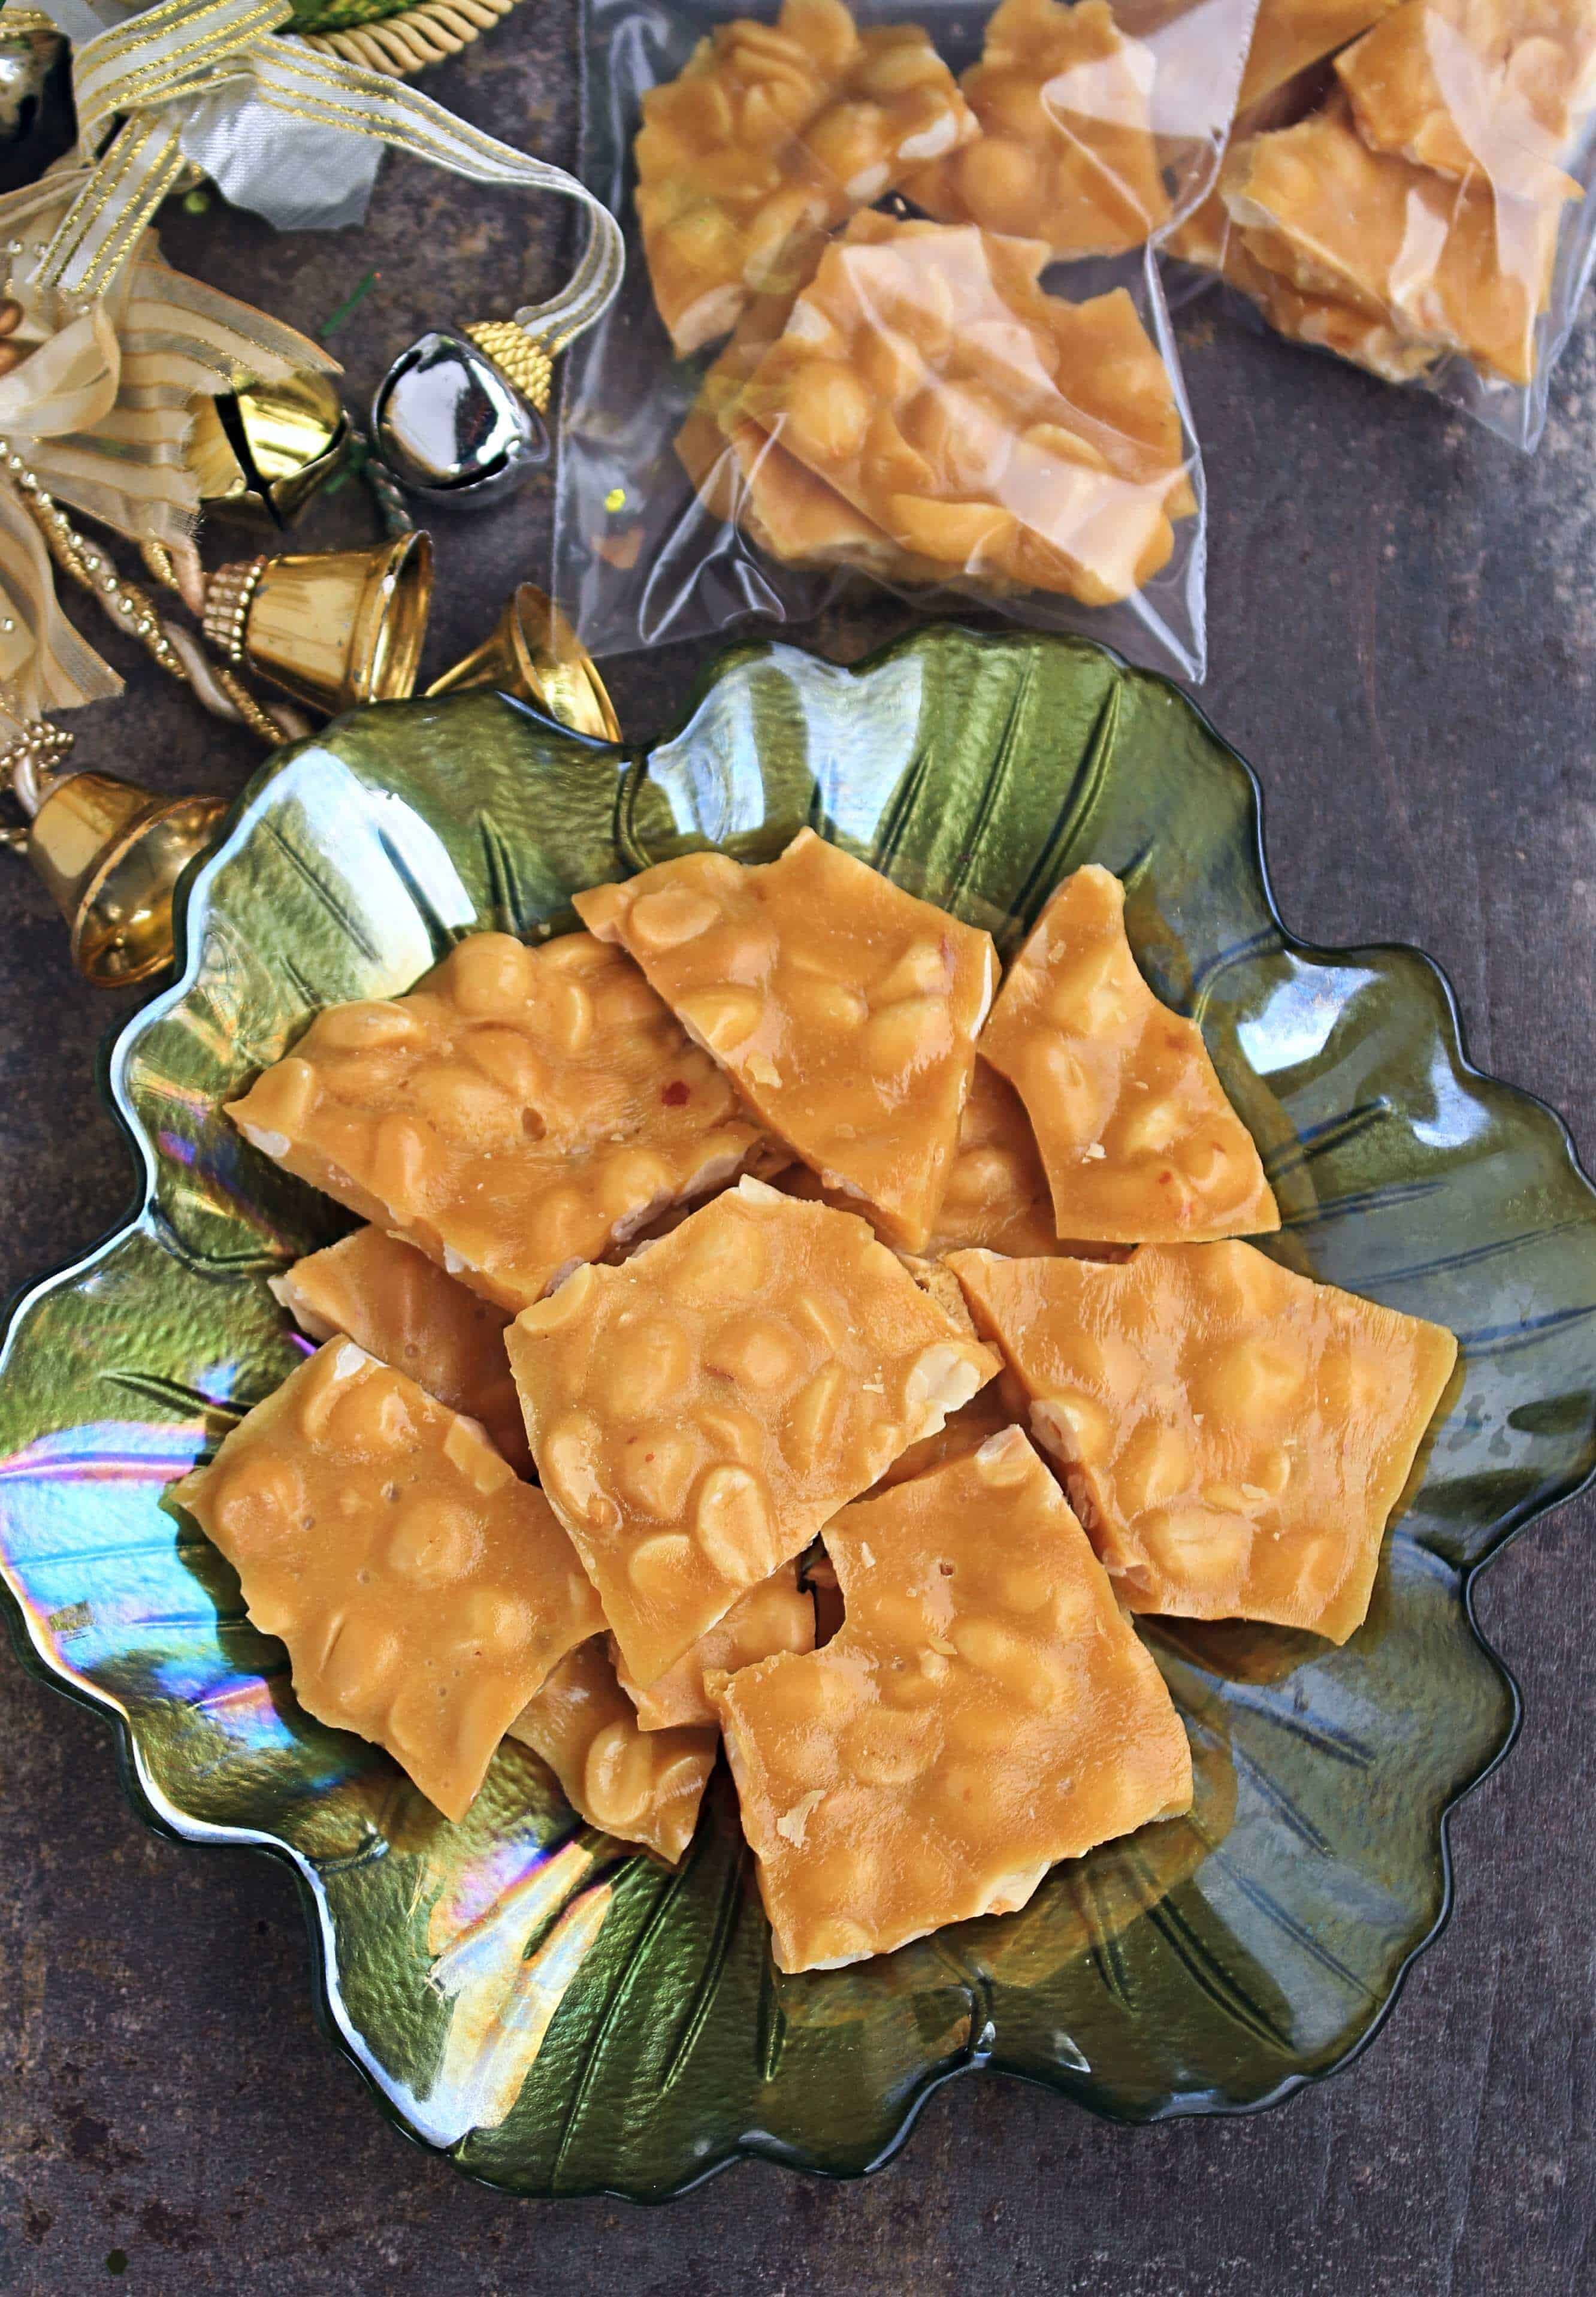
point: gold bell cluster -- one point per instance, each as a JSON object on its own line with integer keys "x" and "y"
{"x": 332, "y": 630}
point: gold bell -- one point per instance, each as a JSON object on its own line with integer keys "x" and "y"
{"x": 533, "y": 652}
{"x": 332, "y": 628}
{"x": 112, "y": 854}
{"x": 262, "y": 451}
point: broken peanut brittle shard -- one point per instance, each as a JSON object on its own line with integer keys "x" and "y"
{"x": 1234, "y": 1437}
{"x": 1006, "y": 435}
{"x": 520, "y": 1111}
{"x": 1066, "y": 151}
{"x": 698, "y": 1414}
{"x": 1138, "y": 1137}
{"x": 1446, "y": 264}
{"x": 424, "y": 1591}
{"x": 401, "y": 1307}
{"x": 983, "y": 1711}
{"x": 779, "y": 1615}
{"x": 1290, "y": 34}
{"x": 845, "y": 1010}
{"x": 771, "y": 135}
{"x": 1490, "y": 90}
{"x": 641, "y": 1786}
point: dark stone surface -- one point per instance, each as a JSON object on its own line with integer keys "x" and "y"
{"x": 1405, "y": 641}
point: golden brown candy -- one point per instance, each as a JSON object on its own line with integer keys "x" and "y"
{"x": 1209, "y": 239}
{"x": 1491, "y": 91}
{"x": 1234, "y": 1437}
{"x": 520, "y": 1111}
{"x": 983, "y": 1711}
{"x": 845, "y": 1010}
{"x": 1003, "y": 435}
{"x": 423, "y": 1592}
{"x": 1135, "y": 1132}
{"x": 997, "y": 1192}
{"x": 645, "y": 1786}
{"x": 401, "y": 1307}
{"x": 771, "y": 135}
{"x": 1066, "y": 151}
{"x": 1290, "y": 34}
{"x": 776, "y": 1616}
{"x": 1442, "y": 264}
{"x": 698, "y": 1414}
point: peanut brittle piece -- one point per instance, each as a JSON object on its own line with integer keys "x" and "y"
{"x": 1065, "y": 153}
{"x": 518, "y": 1111}
{"x": 1234, "y": 1437}
{"x": 771, "y": 135}
{"x": 1209, "y": 239}
{"x": 985, "y": 1710}
{"x": 1001, "y": 434}
{"x": 1138, "y": 1137}
{"x": 423, "y": 1591}
{"x": 1478, "y": 89}
{"x": 845, "y": 1010}
{"x": 776, "y": 1616}
{"x": 1444, "y": 264}
{"x": 1001, "y": 1404}
{"x": 401, "y": 1307}
{"x": 698, "y": 1414}
{"x": 1290, "y": 34}
{"x": 644, "y": 1786}
{"x": 997, "y": 1193}
{"x": 747, "y": 479}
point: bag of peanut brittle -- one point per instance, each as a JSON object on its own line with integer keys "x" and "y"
{"x": 1407, "y": 186}
{"x": 892, "y": 314}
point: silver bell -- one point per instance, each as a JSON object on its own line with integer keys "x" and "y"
{"x": 449, "y": 426}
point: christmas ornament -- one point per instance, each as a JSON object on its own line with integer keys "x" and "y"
{"x": 293, "y": 134}
{"x": 262, "y": 451}
{"x": 332, "y": 628}
{"x": 30, "y": 47}
{"x": 448, "y": 425}
{"x": 533, "y": 652}
{"x": 111, "y": 853}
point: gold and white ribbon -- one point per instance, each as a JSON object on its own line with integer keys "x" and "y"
{"x": 99, "y": 412}
{"x": 215, "y": 82}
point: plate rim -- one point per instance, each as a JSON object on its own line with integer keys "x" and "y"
{"x": 170, "y": 1822}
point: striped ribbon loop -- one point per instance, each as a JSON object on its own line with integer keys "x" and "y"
{"x": 149, "y": 70}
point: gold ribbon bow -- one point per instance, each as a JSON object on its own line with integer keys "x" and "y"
{"x": 151, "y": 70}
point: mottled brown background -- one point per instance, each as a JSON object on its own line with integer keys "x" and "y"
{"x": 1404, "y": 636}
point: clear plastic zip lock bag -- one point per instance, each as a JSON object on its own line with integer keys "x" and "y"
{"x": 892, "y": 314}
{"x": 1408, "y": 186}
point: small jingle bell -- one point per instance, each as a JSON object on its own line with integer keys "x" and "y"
{"x": 335, "y": 629}
{"x": 111, "y": 853}
{"x": 532, "y": 653}
{"x": 261, "y": 452}
{"x": 448, "y": 425}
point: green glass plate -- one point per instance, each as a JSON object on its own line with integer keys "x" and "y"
{"x": 563, "y": 2017}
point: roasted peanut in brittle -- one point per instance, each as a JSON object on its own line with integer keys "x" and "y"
{"x": 770, "y": 136}
{"x": 777, "y": 1615}
{"x": 401, "y": 1307}
{"x": 983, "y": 1711}
{"x": 423, "y": 1592}
{"x": 1135, "y": 1132}
{"x": 698, "y": 1414}
{"x": 643, "y": 1786}
{"x": 1066, "y": 153}
{"x": 1445, "y": 265}
{"x": 1492, "y": 92}
{"x": 845, "y": 1010}
{"x": 520, "y": 1111}
{"x": 1005, "y": 435}
{"x": 1234, "y": 1437}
